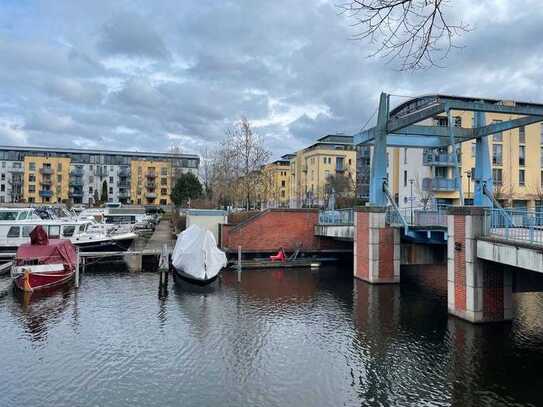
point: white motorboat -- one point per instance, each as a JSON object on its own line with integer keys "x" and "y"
{"x": 17, "y": 223}
{"x": 196, "y": 256}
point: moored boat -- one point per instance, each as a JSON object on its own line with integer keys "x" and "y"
{"x": 44, "y": 262}
{"x": 196, "y": 257}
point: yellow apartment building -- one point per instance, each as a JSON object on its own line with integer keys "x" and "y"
{"x": 277, "y": 183}
{"x": 310, "y": 169}
{"x": 151, "y": 182}
{"x": 516, "y": 157}
{"x": 46, "y": 179}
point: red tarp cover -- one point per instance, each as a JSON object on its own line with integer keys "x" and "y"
{"x": 53, "y": 251}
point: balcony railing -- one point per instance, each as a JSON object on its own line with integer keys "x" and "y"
{"x": 76, "y": 193}
{"x": 76, "y": 182}
{"x": 46, "y": 181}
{"x": 438, "y": 159}
{"x": 151, "y": 175}
{"x": 438, "y": 184}
{"x": 514, "y": 224}
{"x": 124, "y": 172}
{"x": 77, "y": 172}
{"x": 150, "y": 184}
{"x": 46, "y": 170}
{"x": 124, "y": 184}
{"x": 16, "y": 170}
{"x": 150, "y": 195}
{"x": 46, "y": 193}
{"x": 340, "y": 167}
{"x": 124, "y": 194}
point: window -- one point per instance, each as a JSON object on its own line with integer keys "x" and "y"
{"x": 31, "y": 178}
{"x": 163, "y": 181}
{"x": 521, "y": 177}
{"x": 522, "y": 135}
{"x": 497, "y": 176}
{"x": 32, "y": 188}
{"x": 282, "y": 194}
{"x": 59, "y": 178}
{"x": 164, "y": 191}
{"x": 473, "y": 149}
{"x": 68, "y": 231}
{"x": 110, "y": 190}
{"x": 405, "y": 155}
{"x": 522, "y": 156}
{"x": 2, "y": 188}
{"x": 14, "y": 231}
{"x": 163, "y": 202}
{"x": 111, "y": 180}
{"x": 31, "y": 166}
{"x": 457, "y": 121}
{"x": 27, "y": 230}
{"x": 59, "y": 167}
{"x": 81, "y": 228}
{"x": 54, "y": 231}
{"x": 283, "y": 183}
{"x": 405, "y": 178}
{"x": 497, "y": 154}
{"x": 164, "y": 171}
{"x": 325, "y": 160}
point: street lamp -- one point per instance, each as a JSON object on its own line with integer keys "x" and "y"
{"x": 468, "y": 174}
{"x": 411, "y": 181}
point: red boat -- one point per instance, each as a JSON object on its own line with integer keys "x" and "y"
{"x": 44, "y": 262}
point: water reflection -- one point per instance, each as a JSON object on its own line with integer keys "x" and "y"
{"x": 37, "y": 311}
{"x": 277, "y": 337}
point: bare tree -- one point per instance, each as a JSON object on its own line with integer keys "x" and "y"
{"x": 205, "y": 169}
{"x": 417, "y": 33}
{"x": 426, "y": 195}
{"x": 250, "y": 155}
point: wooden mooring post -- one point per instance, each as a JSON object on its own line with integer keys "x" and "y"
{"x": 239, "y": 263}
{"x": 77, "y": 268}
{"x": 163, "y": 269}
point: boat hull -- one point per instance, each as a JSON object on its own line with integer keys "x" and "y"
{"x": 30, "y": 282}
{"x": 110, "y": 245}
{"x": 190, "y": 279}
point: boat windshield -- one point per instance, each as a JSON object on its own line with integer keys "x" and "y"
{"x": 10, "y": 215}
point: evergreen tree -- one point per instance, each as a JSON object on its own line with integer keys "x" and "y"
{"x": 187, "y": 186}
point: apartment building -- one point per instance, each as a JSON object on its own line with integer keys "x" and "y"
{"x": 151, "y": 182}
{"x": 46, "y": 179}
{"x": 311, "y": 168}
{"x": 427, "y": 175}
{"x": 43, "y": 175}
{"x": 277, "y": 183}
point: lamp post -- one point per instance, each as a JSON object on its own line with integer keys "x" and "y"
{"x": 411, "y": 198}
{"x": 468, "y": 174}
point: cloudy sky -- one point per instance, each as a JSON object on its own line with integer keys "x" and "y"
{"x": 145, "y": 75}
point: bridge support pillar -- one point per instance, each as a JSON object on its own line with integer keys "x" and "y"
{"x": 477, "y": 291}
{"x": 376, "y": 247}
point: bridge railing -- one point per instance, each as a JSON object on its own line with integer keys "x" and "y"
{"x": 418, "y": 216}
{"x": 514, "y": 224}
{"x": 344, "y": 217}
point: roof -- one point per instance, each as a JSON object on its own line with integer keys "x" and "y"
{"x": 105, "y": 152}
{"x": 336, "y": 138}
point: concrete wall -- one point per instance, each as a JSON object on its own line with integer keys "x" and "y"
{"x": 516, "y": 256}
{"x": 209, "y": 222}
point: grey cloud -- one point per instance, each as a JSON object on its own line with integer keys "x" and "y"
{"x": 128, "y": 34}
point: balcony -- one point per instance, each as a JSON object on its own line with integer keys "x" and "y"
{"x": 76, "y": 182}
{"x": 124, "y": 184}
{"x": 46, "y": 181}
{"x": 437, "y": 159}
{"x": 100, "y": 172}
{"x": 150, "y": 184}
{"x": 150, "y": 195}
{"x": 124, "y": 194}
{"x": 76, "y": 193}
{"x": 438, "y": 184}
{"x": 16, "y": 170}
{"x": 77, "y": 172}
{"x": 46, "y": 171}
{"x": 46, "y": 193}
{"x": 151, "y": 175}
{"x": 340, "y": 167}
{"x": 124, "y": 172}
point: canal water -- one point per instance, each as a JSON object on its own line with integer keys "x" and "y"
{"x": 275, "y": 338}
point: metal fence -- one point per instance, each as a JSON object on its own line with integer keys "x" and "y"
{"x": 514, "y": 224}
{"x": 337, "y": 217}
{"x": 418, "y": 216}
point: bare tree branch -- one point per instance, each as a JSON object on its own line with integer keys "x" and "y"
{"x": 417, "y": 33}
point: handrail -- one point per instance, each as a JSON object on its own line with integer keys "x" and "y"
{"x": 497, "y": 205}
{"x": 395, "y": 207}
